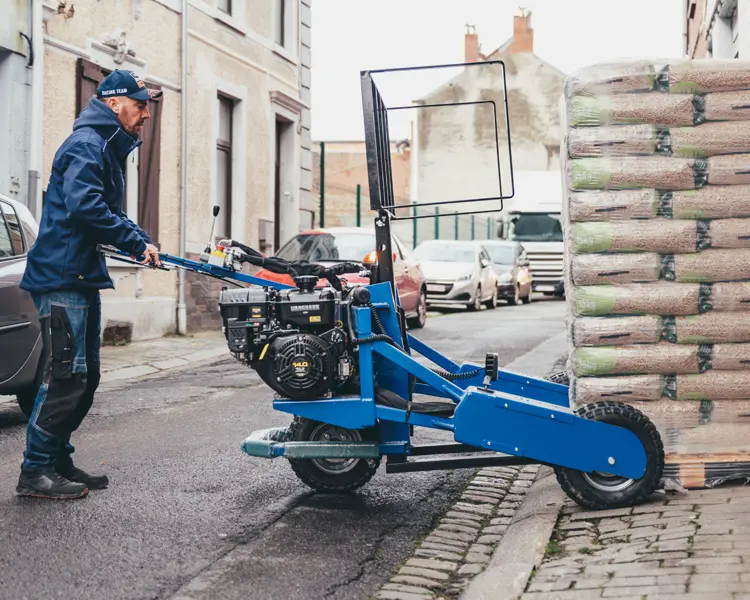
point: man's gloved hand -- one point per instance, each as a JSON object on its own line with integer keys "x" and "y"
{"x": 150, "y": 255}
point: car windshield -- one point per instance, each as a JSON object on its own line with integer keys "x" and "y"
{"x": 502, "y": 255}
{"x": 320, "y": 247}
{"x": 446, "y": 252}
{"x": 536, "y": 228}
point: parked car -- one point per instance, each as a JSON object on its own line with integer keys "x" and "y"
{"x": 458, "y": 273}
{"x": 514, "y": 279}
{"x": 20, "y": 333}
{"x": 354, "y": 244}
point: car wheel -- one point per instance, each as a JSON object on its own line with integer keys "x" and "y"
{"x": 476, "y": 304}
{"x": 492, "y": 302}
{"x": 419, "y": 321}
{"x": 516, "y": 297}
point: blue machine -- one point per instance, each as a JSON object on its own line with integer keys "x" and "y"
{"x": 342, "y": 364}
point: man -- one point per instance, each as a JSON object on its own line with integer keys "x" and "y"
{"x": 64, "y": 273}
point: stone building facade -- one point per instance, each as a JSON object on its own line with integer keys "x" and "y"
{"x": 248, "y": 130}
{"x": 456, "y": 151}
{"x": 716, "y": 28}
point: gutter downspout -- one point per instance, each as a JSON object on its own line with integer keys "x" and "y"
{"x": 36, "y": 133}
{"x": 181, "y": 308}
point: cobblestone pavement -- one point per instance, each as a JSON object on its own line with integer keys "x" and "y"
{"x": 689, "y": 546}
{"x": 461, "y": 546}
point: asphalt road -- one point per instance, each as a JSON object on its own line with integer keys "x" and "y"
{"x": 188, "y": 515}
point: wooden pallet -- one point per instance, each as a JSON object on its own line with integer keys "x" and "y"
{"x": 704, "y": 469}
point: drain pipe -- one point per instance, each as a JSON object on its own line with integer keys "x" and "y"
{"x": 181, "y": 309}
{"x": 34, "y": 190}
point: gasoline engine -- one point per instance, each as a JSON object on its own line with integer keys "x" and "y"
{"x": 299, "y": 340}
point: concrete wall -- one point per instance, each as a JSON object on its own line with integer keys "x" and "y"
{"x": 346, "y": 166}
{"x": 306, "y": 175}
{"x": 15, "y": 96}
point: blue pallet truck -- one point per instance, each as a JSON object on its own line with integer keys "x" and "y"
{"x": 342, "y": 364}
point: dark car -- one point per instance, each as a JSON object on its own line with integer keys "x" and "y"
{"x": 20, "y": 334}
{"x": 513, "y": 273}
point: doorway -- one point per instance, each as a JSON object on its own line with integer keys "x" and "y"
{"x": 283, "y": 182}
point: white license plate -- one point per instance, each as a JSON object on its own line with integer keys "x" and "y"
{"x": 435, "y": 288}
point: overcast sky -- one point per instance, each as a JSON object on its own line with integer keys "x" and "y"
{"x": 351, "y": 35}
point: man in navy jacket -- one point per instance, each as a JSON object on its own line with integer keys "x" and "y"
{"x": 64, "y": 274}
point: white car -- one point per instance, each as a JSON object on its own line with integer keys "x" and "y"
{"x": 457, "y": 273}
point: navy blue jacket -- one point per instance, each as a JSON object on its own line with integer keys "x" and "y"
{"x": 83, "y": 207}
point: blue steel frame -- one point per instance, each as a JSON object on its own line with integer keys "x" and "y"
{"x": 514, "y": 415}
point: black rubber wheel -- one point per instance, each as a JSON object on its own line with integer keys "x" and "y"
{"x": 516, "y": 297}
{"x": 331, "y": 475}
{"x": 476, "y": 304}
{"x": 421, "y": 319}
{"x": 492, "y": 302}
{"x": 560, "y": 377}
{"x": 602, "y": 490}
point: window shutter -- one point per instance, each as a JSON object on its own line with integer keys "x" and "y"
{"x": 149, "y": 168}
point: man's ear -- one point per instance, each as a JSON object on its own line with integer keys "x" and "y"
{"x": 113, "y": 104}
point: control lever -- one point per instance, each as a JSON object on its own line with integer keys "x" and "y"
{"x": 207, "y": 253}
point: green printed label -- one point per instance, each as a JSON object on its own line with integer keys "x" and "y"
{"x": 689, "y": 152}
{"x": 595, "y": 300}
{"x": 685, "y": 87}
{"x": 589, "y": 174}
{"x": 592, "y": 237}
{"x": 595, "y": 361}
{"x": 688, "y": 213}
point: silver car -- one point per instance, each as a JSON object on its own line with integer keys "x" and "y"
{"x": 457, "y": 274}
{"x": 20, "y": 334}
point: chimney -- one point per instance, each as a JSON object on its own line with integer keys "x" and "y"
{"x": 523, "y": 34}
{"x": 471, "y": 45}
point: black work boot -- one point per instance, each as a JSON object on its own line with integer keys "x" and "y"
{"x": 50, "y": 485}
{"x": 93, "y": 482}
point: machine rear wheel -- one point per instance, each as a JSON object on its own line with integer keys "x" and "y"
{"x": 331, "y": 475}
{"x": 603, "y": 490}
{"x": 560, "y": 377}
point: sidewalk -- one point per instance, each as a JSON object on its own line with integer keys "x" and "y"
{"x": 689, "y": 546}
{"x": 148, "y": 357}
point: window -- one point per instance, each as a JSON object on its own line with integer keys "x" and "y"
{"x": 280, "y": 23}
{"x": 224, "y": 167}
{"x": 225, "y": 6}
{"x": 146, "y": 213}
{"x": 6, "y": 247}
{"x": 12, "y": 228}
{"x": 315, "y": 247}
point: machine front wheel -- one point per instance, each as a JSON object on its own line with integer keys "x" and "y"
{"x": 603, "y": 490}
{"x": 331, "y": 475}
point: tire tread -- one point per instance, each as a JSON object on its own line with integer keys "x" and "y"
{"x": 646, "y": 486}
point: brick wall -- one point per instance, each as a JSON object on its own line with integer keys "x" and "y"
{"x": 345, "y": 167}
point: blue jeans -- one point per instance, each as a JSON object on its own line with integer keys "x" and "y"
{"x": 71, "y": 325}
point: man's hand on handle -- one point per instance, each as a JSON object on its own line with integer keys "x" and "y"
{"x": 150, "y": 255}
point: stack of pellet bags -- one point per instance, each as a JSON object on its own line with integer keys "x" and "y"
{"x": 657, "y": 235}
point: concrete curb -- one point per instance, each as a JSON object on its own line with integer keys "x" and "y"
{"x": 524, "y": 544}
